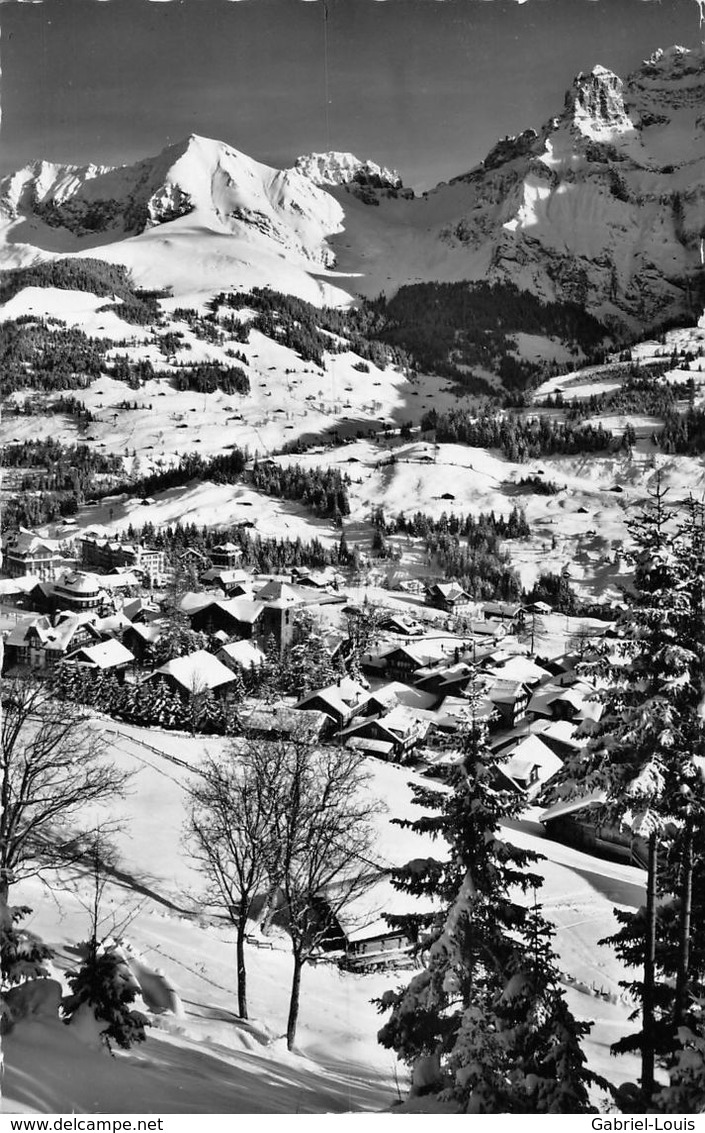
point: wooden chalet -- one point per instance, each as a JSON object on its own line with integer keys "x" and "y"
{"x": 447, "y": 596}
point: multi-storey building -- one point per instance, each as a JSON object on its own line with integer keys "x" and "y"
{"x": 26, "y": 553}
{"x": 107, "y": 554}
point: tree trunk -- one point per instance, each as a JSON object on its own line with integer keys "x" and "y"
{"x": 648, "y": 1045}
{"x": 294, "y": 1002}
{"x": 241, "y": 971}
{"x": 5, "y": 920}
{"x": 268, "y": 909}
{"x": 682, "y": 973}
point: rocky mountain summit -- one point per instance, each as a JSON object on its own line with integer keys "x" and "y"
{"x": 605, "y": 204}
{"x": 335, "y": 168}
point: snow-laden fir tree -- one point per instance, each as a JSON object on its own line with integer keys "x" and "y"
{"x": 640, "y": 764}
{"x": 130, "y": 701}
{"x": 681, "y": 951}
{"x": 486, "y": 1006}
{"x": 161, "y": 703}
{"x": 141, "y": 705}
{"x": 208, "y": 712}
{"x": 107, "y": 985}
{"x": 685, "y": 1092}
{"x": 104, "y": 982}
{"x": 307, "y": 664}
{"x": 22, "y": 954}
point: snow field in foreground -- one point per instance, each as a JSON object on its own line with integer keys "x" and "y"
{"x": 208, "y": 1061}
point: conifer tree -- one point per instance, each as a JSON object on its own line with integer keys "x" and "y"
{"x": 175, "y": 712}
{"x": 161, "y": 706}
{"x": 129, "y": 708}
{"x": 64, "y": 682}
{"x": 639, "y": 754}
{"x": 113, "y": 694}
{"x": 307, "y": 664}
{"x": 22, "y": 954}
{"x": 237, "y": 691}
{"x": 343, "y": 549}
{"x": 269, "y": 674}
{"x": 685, "y": 1092}
{"x": 487, "y": 1004}
{"x": 209, "y": 713}
{"x": 143, "y": 704}
{"x": 104, "y": 981}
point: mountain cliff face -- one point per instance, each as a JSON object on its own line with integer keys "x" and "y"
{"x": 603, "y": 205}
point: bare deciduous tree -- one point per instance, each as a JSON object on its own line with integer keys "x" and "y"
{"x": 289, "y": 820}
{"x": 229, "y": 827}
{"x": 325, "y": 839}
{"x": 53, "y": 766}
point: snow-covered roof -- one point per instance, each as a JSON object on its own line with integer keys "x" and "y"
{"x": 20, "y": 585}
{"x": 194, "y": 600}
{"x": 54, "y": 636}
{"x": 18, "y": 634}
{"x": 113, "y": 622}
{"x": 103, "y": 655}
{"x": 196, "y": 671}
{"x": 341, "y": 696}
{"x": 520, "y": 668}
{"x": 502, "y": 609}
{"x": 562, "y": 731}
{"x": 244, "y": 653}
{"x": 449, "y": 590}
{"x": 134, "y": 606}
{"x": 395, "y": 693}
{"x": 285, "y": 719}
{"x": 488, "y": 627}
{"x": 566, "y": 807}
{"x": 80, "y": 582}
{"x": 505, "y": 691}
{"x": 402, "y": 719}
{"x": 374, "y": 747}
{"x": 148, "y": 631}
{"x": 278, "y": 594}
{"x": 539, "y": 608}
{"x": 530, "y": 753}
{"x": 426, "y": 650}
{"x": 26, "y": 543}
{"x": 229, "y": 577}
{"x": 118, "y": 579}
{"x": 242, "y": 609}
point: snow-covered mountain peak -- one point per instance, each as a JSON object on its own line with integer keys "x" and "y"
{"x": 595, "y": 104}
{"x": 198, "y": 201}
{"x": 336, "y": 168}
{"x": 675, "y": 58}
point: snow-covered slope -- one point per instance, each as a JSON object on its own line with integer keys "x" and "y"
{"x": 207, "y": 1060}
{"x": 198, "y": 217}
